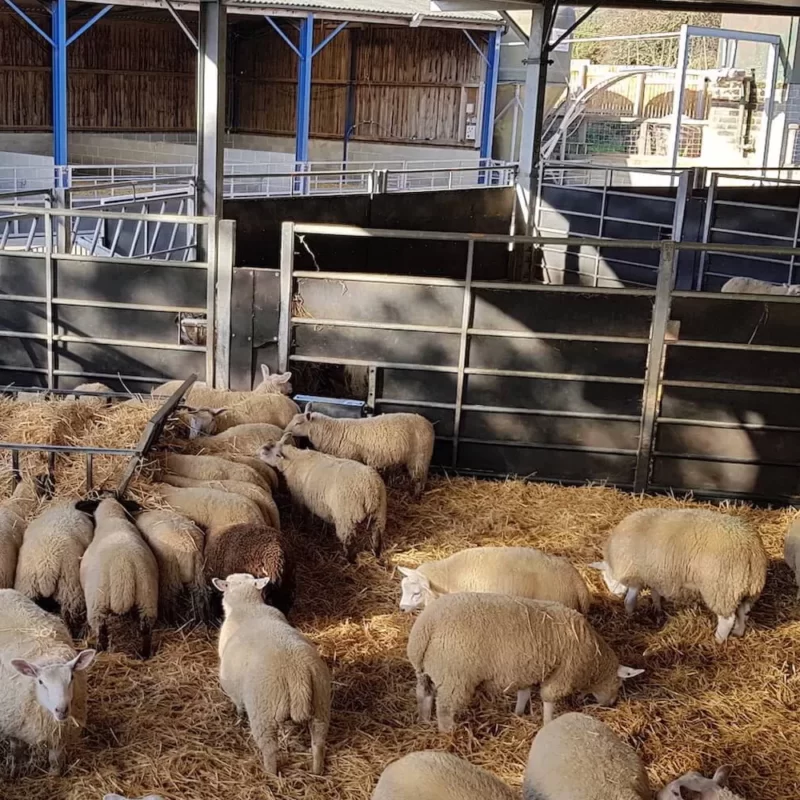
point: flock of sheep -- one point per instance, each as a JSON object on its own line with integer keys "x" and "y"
{"x": 508, "y": 618}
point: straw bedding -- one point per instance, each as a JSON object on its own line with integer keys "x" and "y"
{"x": 164, "y": 725}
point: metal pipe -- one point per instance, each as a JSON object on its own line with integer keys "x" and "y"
{"x": 59, "y": 88}
{"x": 489, "y": 97}
{"x": 463, "y": 348}
{"x": 183, "y": 26}
{"x": 303, "y": 121}
{"x": 679, "y": 89}
{"x": 48, "y": 284}
{"x": 35, "y": 211}
{"x": 286, "y": 296}
{"x": 58, "y": 448}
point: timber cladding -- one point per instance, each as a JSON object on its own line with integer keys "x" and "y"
{"x": 402, "y": 85}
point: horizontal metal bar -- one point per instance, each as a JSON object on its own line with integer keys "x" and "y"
{"x": 22, "y": 298}
{"x": 755, "y": 462}
{"x": 730, "y": 387}
{"x": 25, "y": 193}
{"x": 95, "y": 187}
{"x": 64, "y": 392}
{"x": 606, "y": 218}
{"x": 63, "y": 448}
{"x": 95, "y": 340}
{"x": 609, "y": 193}
{"x": 754, "y": 235}
{"x": 710, "y": 494}
{"x": 554, "y": 376}
{"x": 70, "y": 373}
{"x": 428, "y": 170}
{"x": 574, "y": 448}
{"x": 369, "y": 277}
{"x": 565, "y": 288}
{"x": 130, "y": 306}
{"x": 378, "y": 326}
{"x": 744, "y": 346}
{"x": 565, "y": 337}
{"x": 386, "y": 401}
{"x": 735, "y": 426}
{"x": 117, "y": 260}
{"x": 30, "y": 211}
{"x": 357, "y": 362}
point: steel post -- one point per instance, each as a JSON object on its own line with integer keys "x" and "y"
{"x": 304, "y": 62}
{"x": 59, "y": 72}
{"x": 489, "y": 96}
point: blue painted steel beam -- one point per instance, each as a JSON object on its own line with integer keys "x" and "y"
{"x": 306, "y": 53}
{"x": 27, "y": 19}
{"x": 490, "y": 94}
{"x": 96, "y": 18}
{"x": 59, "y": 40}
{"x": 329, "y": 38}
{"x": 283, "y": 35}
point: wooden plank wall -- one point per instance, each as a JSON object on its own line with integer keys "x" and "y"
{"x": 407, "y": 83}
{"x": 139, "y": 76}
{"x": 124, "y": 76}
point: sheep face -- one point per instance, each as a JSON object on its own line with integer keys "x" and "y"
{"x": 694, "y": 785}
{"x": 614, "y": 586}
{"x": 606, "y": 692}
{"x": 202, "y": 421}
{"x": 274, "y": 384}
{"x": 301, "y": 423}
{"x": 272, "y": 452}
{"x": 417, "y": 592}
{"x": 54, "y": 682}
{"x": 239, "y": 589}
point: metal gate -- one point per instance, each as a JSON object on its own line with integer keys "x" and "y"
{"x": 643, "y": 388}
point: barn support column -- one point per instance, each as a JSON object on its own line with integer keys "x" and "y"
{"x": 489, "y": 98}
{"x": 533, "y": 112}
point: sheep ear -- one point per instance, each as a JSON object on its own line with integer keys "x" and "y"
{"x": 215, "y": 412}
{"x": 628, "y": 672}
{"x": 264, "y": 371}
{"x": 283, "y": 378}
{"x": 219, "y": 584}
{"x": 722, "y": 774}
{"x": 407, "y": 571}
{"x": 601, "y": 565}
{"x": 262, "y": 582}
{"x": 25, "y": 667}
{"x": 83, "y": 660}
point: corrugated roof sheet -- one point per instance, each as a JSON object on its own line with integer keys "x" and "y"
{"x": 378, "y": 8}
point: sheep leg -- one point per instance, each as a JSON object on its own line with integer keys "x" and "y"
{"x": 319, "y": 733}
{"x": 17, "y": 750}
{"x": 146, "y": 632}
{"x": 419, "y": 476}
{"x": 656, "y": 598}
{"x": 724, "y": 627}
{"x": 449, "y": 701}
{"x": 548, "y": 711}
{"x": 425, "y": 695}
{"x": 377, "y": 537}
{"x": 631, "y": 598}
{"x": 55, "y": 756}
{"x": 266, "y": 736}
{"x": 523, "y": 698}
{"x": 100, "y": 631}
{"x": 742, "y": 613}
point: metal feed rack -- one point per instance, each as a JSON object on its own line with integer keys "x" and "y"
{"x": 150, "y": 435}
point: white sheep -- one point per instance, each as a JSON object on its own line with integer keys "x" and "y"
{"x": 755, "y": 286}
{"x": 119, "y": 575}
{"x": 519, "y": 571}
{"x": 463, "y": 640}
{"x": 347, "y": 494}
{"x": 265, "y": 471}
{"x": 244, "y": 439}
{"x": 791, "y": 551}
{"x": 178, "y": 545}
{"x": 217, "y": 468}
{"x": 91, "y": 400}
{"x": 120, "y": 797}
{"x": 577, "y": 756}
{"x": 42, "y": 678}
{"x": 271, "y": 671}
{"x": 382, "y": 442}
{"x": 696, "y": 786}
{"x": 272, "y": 409}
{"x": 270, "y": 384}
{"x": 676, "y": 552}
{"x": 13, "y": 513}
{"x": 211, "y": 509}
{"x": 261, "y": 497}
{"x": 48, "y": 567}
{"x": 434, "y": 775}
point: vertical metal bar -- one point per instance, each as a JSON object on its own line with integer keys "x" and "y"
{"x": 603, "y": 209}
{"x": 350, "y": 102}
{"x": 31, "y": 234}
{"x": 466, "y": 313}
{"x": 795, "y": 242}
{"x": 15, "y": 470}
{"x": 707, "y": 222}
{"x": 89, "y": 471}
{"x": 489, "y": 97}
{"x": 287, "y": 281}
{"x": 679, "y": 89}
{"x": 51, "y": 471}
{"x": 211, "y": 236}
{"x": 96, "y": 237}
{"x": 221, "y": 339}
{"x": 514, "y": 125}
{"x": 372, "y": 387}
{"x": 117, "y": 231}
{"x": 59, "y": 70}
{"x": 651, "y": 397}
{"x": 304, "y": 61}
{"x": 770, "y": 86}
{"x": 48, "y": 288}
{"x": 211, "y": 96}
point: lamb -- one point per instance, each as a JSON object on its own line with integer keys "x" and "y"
{"x": 434, "y": 775}
{"x": 463, "y": 640}
{"x": 576, "y": 756}
{"x": 519, "y": 571}
{"x": 13, "y": 513}
{"x": 755, "y": 286}
{"x": 211, "y": 509}
{"x": 688, "y": 551}
{"x": 382, "y": 442}
{"x": 266, "y": 472}
{"x": 42, "y": 678}
{"x": 119, "y": 575}
{"x": 270, "y": 384}
{"x": 272, "y": 409}
{"x": 261, "y": 497}
{"x": 178, "y": 545}
{"x": 347, "y": 494}
{"x": 699, "y": 787}
{"x": 91, "y": 400}
{"x": 791, "y": 551}
{"x": 48, "y": 568}
{"x": 215, "y": 468}
{"x": 271, "y": 671}
{"x": 244, "y": 439}
{"x": 255, "y": 550}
